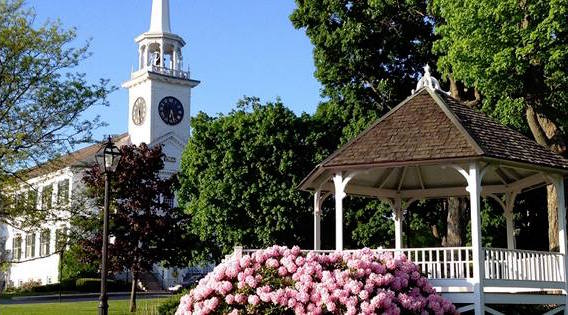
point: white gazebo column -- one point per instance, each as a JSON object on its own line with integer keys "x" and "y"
{"x": 339, "y": 195}
{"x": 510, "y": 230}
{"x": 317, "y": 220}
{"x": 558, "y": 182}
{"x": 509, "y": 219}
{"x": 319, "y": 198}
{"x": 473, "y": 177}
{"x": 398, "y": 218}
{"x": 339, "y": 183}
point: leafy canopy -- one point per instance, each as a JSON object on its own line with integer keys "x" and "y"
{"x": 367, "y": 55}
{"x": 41, "y": 97}
{"x": 239, "y": 175}
{"x": 514, "y": 52}
{"x": 146, "y": 227}
{"x": 42, "y": 102}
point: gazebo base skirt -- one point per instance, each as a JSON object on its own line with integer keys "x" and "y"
{"x": 539, "y": 298}
{"x": 464, "y": 301}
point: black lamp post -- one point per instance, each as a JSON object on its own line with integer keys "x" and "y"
{"x": 107, "y": 159}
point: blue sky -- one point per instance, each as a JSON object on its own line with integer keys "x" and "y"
{"x": 235, "y": 48}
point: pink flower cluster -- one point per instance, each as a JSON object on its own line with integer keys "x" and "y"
{"x": 281, "y": 280}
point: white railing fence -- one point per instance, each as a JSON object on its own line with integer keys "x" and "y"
{"x": 171, "y": 72}
{"x": 515, "y": 264}
{"x": 435, "y": 262}
{"x": 441, "y": 262}
{"x": 457, "y": 263}
{"x": 163, "y": 70}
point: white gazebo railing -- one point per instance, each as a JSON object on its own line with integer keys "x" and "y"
{"x": 441, "y": 262}
{"x": 514, "y": 264}
{"x": 500, "y": 264}
{"x": 457, "y": 263}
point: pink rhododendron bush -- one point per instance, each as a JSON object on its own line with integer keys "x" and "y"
{"x": 279, "y": 280}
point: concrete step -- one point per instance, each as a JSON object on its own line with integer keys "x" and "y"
{"x": 148, "y": 282}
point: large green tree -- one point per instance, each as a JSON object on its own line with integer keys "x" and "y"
{"x": 238, "y": 178}
{"x": 42, "y": 97}
{"x": 367, "y": 56}
{"x": 515, "y": 54}
{"x": 509, "y": 56}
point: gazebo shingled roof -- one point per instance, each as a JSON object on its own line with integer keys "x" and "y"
{"x": 432, "y": 127}
{"x": 417, "y": 129}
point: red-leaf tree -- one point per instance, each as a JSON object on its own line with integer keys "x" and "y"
{"x": 147, "y": 228}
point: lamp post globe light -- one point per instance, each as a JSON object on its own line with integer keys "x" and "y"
{"x": 107, "y": 159}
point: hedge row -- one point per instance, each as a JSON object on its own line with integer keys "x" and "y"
{"x": 84, "y": 285}
{"x": 94, "y": 285}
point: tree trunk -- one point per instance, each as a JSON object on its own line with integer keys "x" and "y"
{"x": 453, "y": 232}
{"x": 454, "y": 229}
{"x": 546, "y": 133}
{"x": 552, "y": 218}
{"x": 133, "y": 292}
{"x": 454, "y": 88}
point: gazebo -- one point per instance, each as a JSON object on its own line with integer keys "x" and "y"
{"x": 433, "y": 146}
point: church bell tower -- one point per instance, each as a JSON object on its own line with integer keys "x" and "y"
{"x": 160, "y": 89}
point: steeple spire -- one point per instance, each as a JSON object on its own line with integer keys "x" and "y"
{"x": 159, "y": 48}
{"x": 160, "y": 22}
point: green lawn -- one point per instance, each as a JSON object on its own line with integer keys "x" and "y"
{"x": 145, "y": 307}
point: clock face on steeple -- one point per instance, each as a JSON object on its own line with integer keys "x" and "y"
{"x": 170, "y": 110}
{"x": 139, "y": 111}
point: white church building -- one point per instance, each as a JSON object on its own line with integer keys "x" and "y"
{"x": 159, "y": 114}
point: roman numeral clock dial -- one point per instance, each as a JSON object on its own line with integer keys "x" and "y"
{"x": 139, "y": 111}
{"x": 170, "y": 110}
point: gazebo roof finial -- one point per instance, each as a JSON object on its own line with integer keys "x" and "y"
{"x": 429, "y": 81}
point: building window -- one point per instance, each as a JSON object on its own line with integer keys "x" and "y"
{"x": 46, "y": 197}
{"x": 60, "y": 238}
{"x": 17, "y": 247}
{"x": 32, "y": 199}
{"x": 30, "y": 245}
{"x": 19, "y": 201}
{"x": 169, "y": 200}
{"x": 63, "y": 192}
{"x": 44, "y": 239}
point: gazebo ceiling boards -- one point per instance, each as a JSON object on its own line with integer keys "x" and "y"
{"x": 421, "y": 182}
{"x": 412, "y": 150}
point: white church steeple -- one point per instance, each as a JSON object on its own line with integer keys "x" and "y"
{"x": 160, "y": 22}
{"x": 160, "y": 89}
{"x": 160, "y": 48}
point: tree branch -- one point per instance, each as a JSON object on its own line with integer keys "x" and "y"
{"x": 535, "y": 127}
